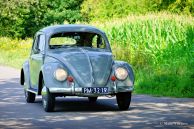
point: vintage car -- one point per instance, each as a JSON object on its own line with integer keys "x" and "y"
{"x": 75, "y": 60}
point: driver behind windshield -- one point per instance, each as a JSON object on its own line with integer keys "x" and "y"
{"x": 72, "y": 39}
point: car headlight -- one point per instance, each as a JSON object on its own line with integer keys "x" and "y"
{"x": 121, "y": 73}
{"x": 60, "y": 74}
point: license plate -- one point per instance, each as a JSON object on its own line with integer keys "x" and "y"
{"x": 95, "y": 90}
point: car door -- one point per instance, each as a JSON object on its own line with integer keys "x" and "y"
{"x": 36, "y": 59}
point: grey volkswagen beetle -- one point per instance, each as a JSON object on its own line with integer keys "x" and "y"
{"x": 74, "y": 60}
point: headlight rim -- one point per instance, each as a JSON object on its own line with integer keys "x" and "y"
{"x": 61, "y": 80}
{"x": 121, "y": 79}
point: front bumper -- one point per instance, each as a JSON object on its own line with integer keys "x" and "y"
{"x": 78, "y": 91}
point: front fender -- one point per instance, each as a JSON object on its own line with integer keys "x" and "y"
{"x": 48, "y": 70}
{"x": 129, "y": 81}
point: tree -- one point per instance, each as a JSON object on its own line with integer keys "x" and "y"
{"x": 23, "y": 18}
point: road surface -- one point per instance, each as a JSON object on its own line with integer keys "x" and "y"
{"x": 77, "y": 113}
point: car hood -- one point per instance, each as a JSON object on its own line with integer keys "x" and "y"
{"x": 89, "y": 66}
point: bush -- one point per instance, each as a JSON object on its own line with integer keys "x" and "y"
{"x": 14, "y": 51}
{"x": 107, "y": 9}
{"x": 21, "y": 19}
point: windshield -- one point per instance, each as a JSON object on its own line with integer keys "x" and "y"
{"x": 77, "y": 39}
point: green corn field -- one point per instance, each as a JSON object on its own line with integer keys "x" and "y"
{"x": 160, "y": 48}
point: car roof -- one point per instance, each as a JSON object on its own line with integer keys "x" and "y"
{"x": 50, "y": 30}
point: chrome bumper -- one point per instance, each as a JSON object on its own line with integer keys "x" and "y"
{"x": 78, "y": 91}
{"x": 65, "y": 90}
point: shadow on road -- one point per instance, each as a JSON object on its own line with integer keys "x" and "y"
{"x": 73, "y": 112}
{"x": 82, "y": 105}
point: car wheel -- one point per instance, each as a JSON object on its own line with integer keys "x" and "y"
{"x": 123, "y": 100}
{"x": 92, "y": 99}
{"x": 48, "y": 99}
{"x": 30, "y": 97}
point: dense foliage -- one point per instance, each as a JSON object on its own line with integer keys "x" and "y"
{"x": 105, "y": 9}
{"x": 24, "y": 17}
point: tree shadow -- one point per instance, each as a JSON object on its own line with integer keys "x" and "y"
{"x": 72, "y": 112}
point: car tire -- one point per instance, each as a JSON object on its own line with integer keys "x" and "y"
{"x": 123, "y": 100}
{"x": 30, "y": 97}
{"x": 92, "y": 99}
{"x": 48, "y": 101}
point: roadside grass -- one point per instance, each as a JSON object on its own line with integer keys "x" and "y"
{"x": 13, "y": 52}
{"x": 160, "y": 47}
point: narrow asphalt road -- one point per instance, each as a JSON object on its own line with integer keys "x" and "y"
{"x": 78, "y": 113}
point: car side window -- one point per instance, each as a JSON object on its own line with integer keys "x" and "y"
{"x": 39, "y": 43}
{"x": 98, "y": 42}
